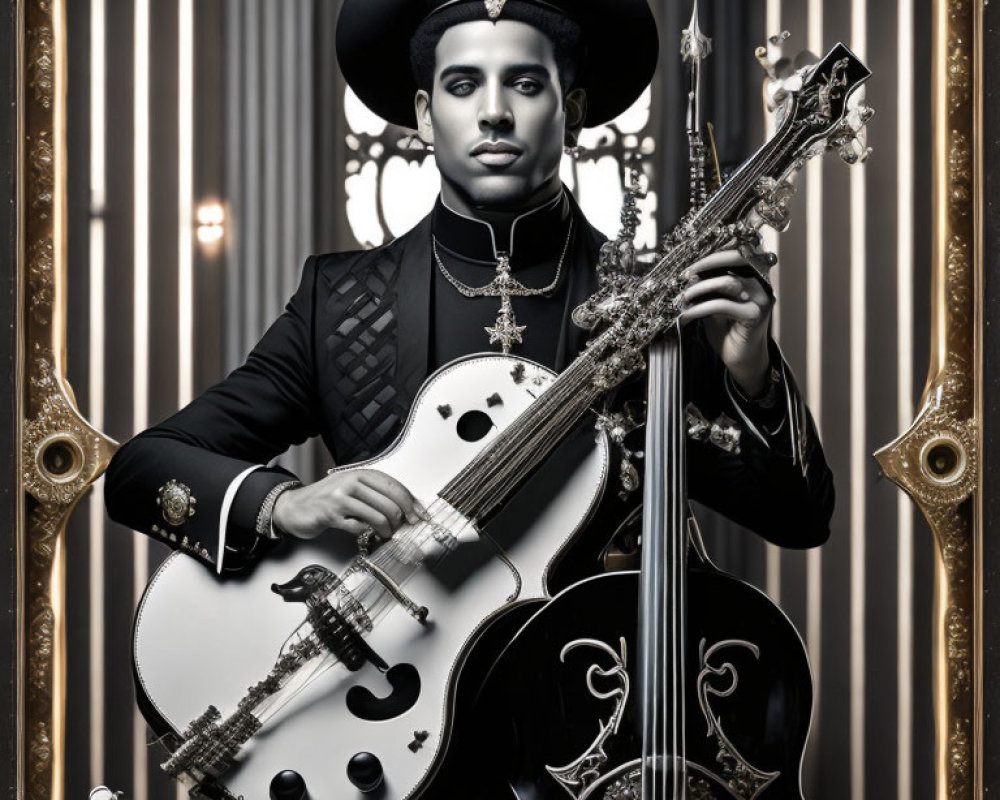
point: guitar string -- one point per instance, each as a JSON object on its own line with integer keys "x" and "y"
{"x": 523, "y": 439}
{"x": 472, "y": 484}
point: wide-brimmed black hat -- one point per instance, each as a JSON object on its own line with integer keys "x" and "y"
{"x": 620, "y": 46}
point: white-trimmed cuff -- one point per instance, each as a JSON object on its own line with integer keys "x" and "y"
{"x": 227, "y": 504}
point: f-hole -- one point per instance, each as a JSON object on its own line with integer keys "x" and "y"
{"x": 405, "y": 682}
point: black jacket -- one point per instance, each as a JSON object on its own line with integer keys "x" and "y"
{"x": 344, "y": 362}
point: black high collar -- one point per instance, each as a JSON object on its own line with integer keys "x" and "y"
{"x": 530, "y": 237}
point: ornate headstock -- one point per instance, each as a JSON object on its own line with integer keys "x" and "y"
{"x": 825, "y": 109}
{"x": 819, "y": 110}
{"x": 819, "y": 107}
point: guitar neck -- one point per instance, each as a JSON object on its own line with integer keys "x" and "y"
{"x": 662, "y": 596}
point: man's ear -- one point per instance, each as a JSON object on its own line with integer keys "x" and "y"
{"x": 422, "y": 104}
{"x": 576, "y": 112}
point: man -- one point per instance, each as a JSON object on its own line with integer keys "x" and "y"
{"x": 498, "y": 88}
{"x": 505, "y": 256}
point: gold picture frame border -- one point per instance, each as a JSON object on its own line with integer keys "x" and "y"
{"x": 938, "y": 462}
{"x": 62, "y": 455}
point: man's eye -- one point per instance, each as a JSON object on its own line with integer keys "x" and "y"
{"x": 527, "y": 86}
{"x": 461, "y": 88}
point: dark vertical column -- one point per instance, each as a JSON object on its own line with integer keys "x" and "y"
{"x": 78, "y": 700}
{"x": 234, "y": 175}
{"x": 9, "y": 357}
{"x": 923, "y": 543}
{"x": 332, "y": 231}
{"x": 670, "y": 91}
{"x": 831, "y": 765}
{"x": 881, "y": 522}
{"x": 271, "y": 200}
{"x": 209, "y": 186}
{"x": 118, "y": 386}
{"x": 991, "y": 405}
{"x": 163, "y": 224}
{"x": 253, "y": 232}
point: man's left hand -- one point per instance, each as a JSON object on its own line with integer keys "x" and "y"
{"x": 731, "y": 295}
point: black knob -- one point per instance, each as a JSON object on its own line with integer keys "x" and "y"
{"x": 364, "y": 770}
{"x": 288, "y": 785}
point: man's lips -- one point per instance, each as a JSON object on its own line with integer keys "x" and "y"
{"x": 496, "y": 154}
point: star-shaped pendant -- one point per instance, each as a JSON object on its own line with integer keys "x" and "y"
{"x": 507, "y": 332}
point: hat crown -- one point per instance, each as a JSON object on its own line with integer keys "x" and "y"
{"x": 616, "y": 54}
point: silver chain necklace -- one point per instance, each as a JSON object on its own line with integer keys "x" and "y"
{"x": 505, "y": 286}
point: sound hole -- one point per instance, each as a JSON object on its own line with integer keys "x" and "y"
{"x": 405, "y": 682}
{"x": 474, "y": 425}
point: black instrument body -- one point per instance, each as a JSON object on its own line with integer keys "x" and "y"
{"x": 536, "y": 711}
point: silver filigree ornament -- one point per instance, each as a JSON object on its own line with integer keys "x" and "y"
{"x": 742, "y": 778}
{"x": 506, "y": 331}
{"x": 176, "y": 502}
{"x": 618, "y": 426}
{"x": 579, "y": 775}
{"x": 724, "y": 433}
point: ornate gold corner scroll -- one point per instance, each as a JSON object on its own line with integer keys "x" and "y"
{"x": 937, "y": 461}
{"x": 61, "y": 455}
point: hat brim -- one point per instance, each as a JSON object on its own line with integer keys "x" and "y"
{"x": 373, "y": 49}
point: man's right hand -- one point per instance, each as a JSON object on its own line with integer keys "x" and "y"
{"x": 353, "y": 501}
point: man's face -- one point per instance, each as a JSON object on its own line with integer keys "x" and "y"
{"x": 496, "y": 118}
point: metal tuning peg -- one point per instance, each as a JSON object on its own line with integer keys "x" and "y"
{"x": 850, "y": 138}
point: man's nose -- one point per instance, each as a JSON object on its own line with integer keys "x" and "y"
{"x": 495, "y": 111}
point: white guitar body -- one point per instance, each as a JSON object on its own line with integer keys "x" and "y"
{"x": 201, "y": 641}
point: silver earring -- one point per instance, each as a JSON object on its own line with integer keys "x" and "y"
{"x": 414, "y": 142}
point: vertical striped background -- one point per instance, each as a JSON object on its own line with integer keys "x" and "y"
{"x": 174, "y": 103}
